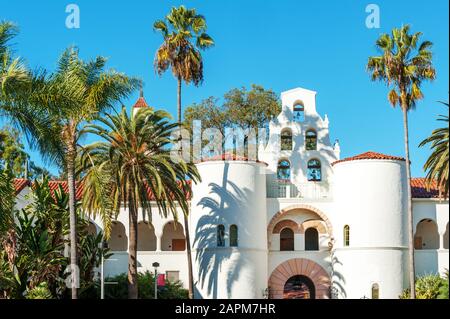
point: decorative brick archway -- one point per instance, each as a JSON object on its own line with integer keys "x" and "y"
{"x": 299, "y": 266}
{"x": 277, "y": 217}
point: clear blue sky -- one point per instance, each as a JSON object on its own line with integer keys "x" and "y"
{"x": 318, "y": 45}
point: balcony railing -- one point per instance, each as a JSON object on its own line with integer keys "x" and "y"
{"x": 307, "y": 191}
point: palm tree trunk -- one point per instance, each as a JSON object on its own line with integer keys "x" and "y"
{"x": 179, "y": 101}
{"x": 71, "y": 153}
{"x": 412, "y": 275}
{"x": 186, "y": 217}
{"x": 132, "y": 250}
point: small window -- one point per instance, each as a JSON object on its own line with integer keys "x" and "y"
{"x": 172, "y": 276}
{"x": 221, "y": 236}
{"x": 299, "y": 112}
{"x": 314, "y": 171}
{"x": 286, "y": 140}
{"x": 233, "y": 236}
{"x": 284, "y": 170}
{"x": 346, "y": 235}
{"x": 311, "y": 140}
{"x": 375, "y": 291}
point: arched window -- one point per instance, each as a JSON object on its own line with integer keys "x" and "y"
{"x": 233, "y": 236}
{"x": 221, "y": 236}
{"x": 375, "y": 291}
{"x": 173, "y": 238}
{"x": 118, "y": 239}
{"x": 311, "y": 140}
{"x": 287, "y": 239}
{"x": 314, "y": 173}
{"x": 147, "y": 237}
{"x": 427, "y": 236}
{"x": 299, "y": 111}
{"x": 346, "y": 235}
{"x": 286, "y": 140}
{"x": 311, "y": 239}
{"x": 284, "y": 170}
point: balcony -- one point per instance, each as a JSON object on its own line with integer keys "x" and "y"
{"x": 306, "y": 191}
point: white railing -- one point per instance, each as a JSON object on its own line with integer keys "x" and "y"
{"x": 307, "y": 191}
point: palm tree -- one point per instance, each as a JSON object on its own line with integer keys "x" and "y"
{"x": 184, "y": 34}
{"x": 133, "y": 166}
{"x": 403, "y": 65}
{"x": 437, "y": 163}
{"x": 51, "y": 108}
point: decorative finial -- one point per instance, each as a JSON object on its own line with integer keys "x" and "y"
{"x": 141, "y": 90}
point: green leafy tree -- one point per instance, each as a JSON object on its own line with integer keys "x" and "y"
{"x": 131, "y": 165}
{"x": 241, "y": 108}
{"x": 184, "y": 37}
{"x": 403, "y": 65}
{"x": 436, "y": 165}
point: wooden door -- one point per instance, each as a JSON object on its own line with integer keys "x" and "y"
{"x": 178, "y": 244}
{"x": 418, "y": 242}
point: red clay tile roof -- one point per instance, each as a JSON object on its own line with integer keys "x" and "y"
{"x": 229, "y": 157}
{"x": 419, "y": 189}
{"x": 370, "y": 155}
{"x": 54, "y": 185}
{"x": 140, "y": 102}
{"x": 20, "y": 184}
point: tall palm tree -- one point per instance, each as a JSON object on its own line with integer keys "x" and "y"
{"x": 437, "y": 163}
{"x": 184, "y": 35}
{"x": 403, "y": 65}
{"x": 51, "y": 108}
{"x": 133, "y": 166}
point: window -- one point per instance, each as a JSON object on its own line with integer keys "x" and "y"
{"x": 311, "y": 140}
{"x": 172, "y": 275}
{"x": 220, "y": 236}
{"x": 284, "y": 170}
{"x": 299, "y": 112}
{"x": 286, "y": 140}
{"x": 311, "y": 239}
{"x": 314, "y": 173}
{"x": 346, "y": 235}
{"x": 287, "y": 239}
{"x": 233, "y": 236}
{"x": 375, "y": 291}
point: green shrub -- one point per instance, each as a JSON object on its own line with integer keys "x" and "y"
{"x": 443, "y": 291}
{"x": 146, "y": 288}
{"x": 41, "y": 291}
{"x": 427, "y": 287}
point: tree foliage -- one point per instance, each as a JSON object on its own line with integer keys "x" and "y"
{"x": 436, "y": 165}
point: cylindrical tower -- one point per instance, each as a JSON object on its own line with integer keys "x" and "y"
{"x": 228, "y": 230}
{"x": 371, "y": 248}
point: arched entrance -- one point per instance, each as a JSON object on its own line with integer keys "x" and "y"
{"x": 299, "y": 277}
{"x": 299, "y": 287}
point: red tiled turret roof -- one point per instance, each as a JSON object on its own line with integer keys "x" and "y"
{"x": 370, "y": 156}
{"x": 140, "y": 102}
{"x": 20, "y": 184}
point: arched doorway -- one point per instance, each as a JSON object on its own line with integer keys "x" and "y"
{"x": 427, "y": 235}
{"x": 287, "y": 240}
{"x": 311, "y": 239}
{"x": 299, "y": 287}
{"x": 284, "y": 278}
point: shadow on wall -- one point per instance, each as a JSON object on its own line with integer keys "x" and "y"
{"x": 337, "y": 279}
{"x": 223, "y": 202}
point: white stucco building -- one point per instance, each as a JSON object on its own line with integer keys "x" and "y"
{"x": 300, "y": 222}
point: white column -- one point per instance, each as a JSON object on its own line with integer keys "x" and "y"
{"x": 158, "y": 241}
{"x": 441, "y": 241}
